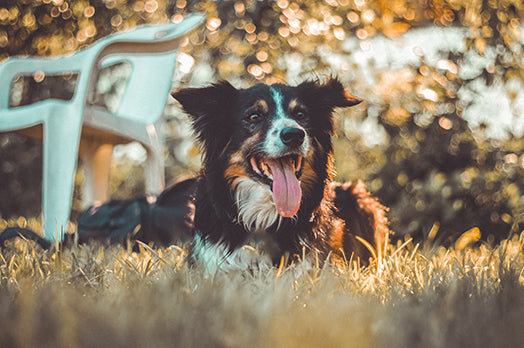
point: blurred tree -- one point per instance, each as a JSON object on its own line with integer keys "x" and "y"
{"x": 433, "y": 167}
{"x": 440, "y": 172}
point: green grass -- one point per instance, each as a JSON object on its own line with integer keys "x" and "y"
{"x": 417, "y": 296}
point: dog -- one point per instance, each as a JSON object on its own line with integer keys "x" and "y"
{"x": 267, "y": 175}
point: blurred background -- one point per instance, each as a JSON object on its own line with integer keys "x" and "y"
{"x": 439, "y": 138}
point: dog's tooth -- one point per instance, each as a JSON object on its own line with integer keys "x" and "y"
{"x": 255, "y": 167}
{"x": 265, "y": 169}
{"x": 298, "y": 163}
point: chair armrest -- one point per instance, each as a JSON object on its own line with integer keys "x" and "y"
{"x": 16, "y": 66}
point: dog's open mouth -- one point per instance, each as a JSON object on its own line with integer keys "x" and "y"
{"x": 282, "y": 175}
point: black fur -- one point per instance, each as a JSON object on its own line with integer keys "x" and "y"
{"x": 220, "y": 117}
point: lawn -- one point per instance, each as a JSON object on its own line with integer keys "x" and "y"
{"x": 416, "y": 296}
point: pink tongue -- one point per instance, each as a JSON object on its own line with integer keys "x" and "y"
{"x": 286, "y": 188}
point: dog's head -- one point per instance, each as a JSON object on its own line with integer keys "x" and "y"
{"x": 268, "y": 138}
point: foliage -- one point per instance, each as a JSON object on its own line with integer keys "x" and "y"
{"x": 442, "y": 171}
{"x": 416, "y": 296}
{"x": 432, "y": 169}
{"x": 252, "y": 36}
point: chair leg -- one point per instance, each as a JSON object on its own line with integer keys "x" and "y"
{"x": 154, "y": 166}
{"x": 61, "y": 138}
{"x": 96, "y": 165}
{"x": 154, "y": 173}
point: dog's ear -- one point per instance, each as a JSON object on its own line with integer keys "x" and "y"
{"x": 198, "y": 102}
{"x": 336, "y": 95}
{"x": 210, "y": 109}
{"x": 328, "y": 95}
{"x": 323, "y": 98}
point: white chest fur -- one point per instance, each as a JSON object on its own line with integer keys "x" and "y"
{"x": 256, "y": 208}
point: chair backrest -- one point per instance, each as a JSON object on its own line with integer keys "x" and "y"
{"x": 140, "y": 101}
{"x": 14, "y": 67}
{"x": 151, "y": 50}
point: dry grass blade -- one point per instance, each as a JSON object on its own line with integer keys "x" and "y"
{"x": 368, "y": 246}
{"x": 416, "y": 296}
{"x": 148, "y": 248}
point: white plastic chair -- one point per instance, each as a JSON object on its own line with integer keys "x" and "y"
{"x": 77, "y": 127}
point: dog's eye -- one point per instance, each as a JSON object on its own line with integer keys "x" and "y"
{"x": 254, "y": 117}
{"x": 300, "y": 114}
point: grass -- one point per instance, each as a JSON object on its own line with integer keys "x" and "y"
{"x": 416, "y": 296}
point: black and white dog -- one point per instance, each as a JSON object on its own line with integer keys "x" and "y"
{"x": 267, "y": 174}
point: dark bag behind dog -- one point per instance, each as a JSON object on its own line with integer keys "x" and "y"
{"x": 114, "y": 221}
{"x": 169, "y": 219}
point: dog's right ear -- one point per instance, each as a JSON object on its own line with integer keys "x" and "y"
{"x": 210, "y": 110}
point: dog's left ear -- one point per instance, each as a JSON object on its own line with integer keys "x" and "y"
{"x": 210, "y": 111}
{"x": 200, "y": 102}
{"x": 330, "y": 94}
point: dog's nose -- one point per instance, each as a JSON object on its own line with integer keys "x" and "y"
{"x": 292, "y": 136}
